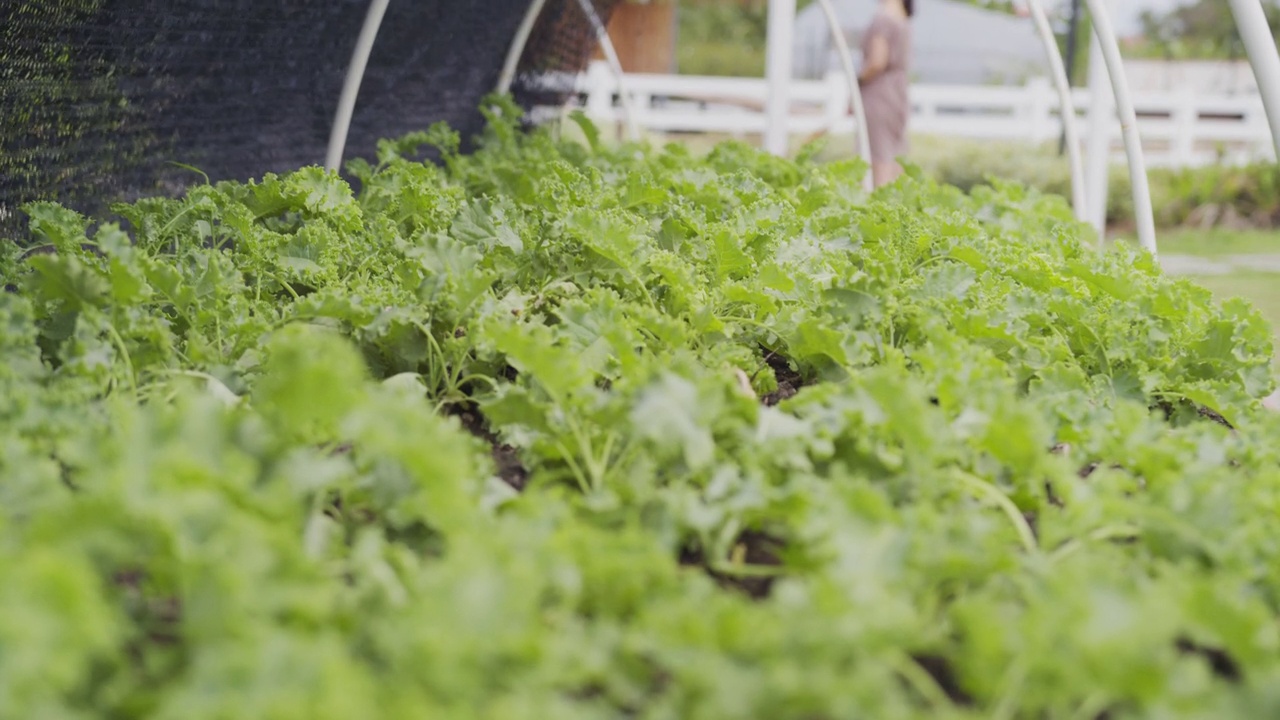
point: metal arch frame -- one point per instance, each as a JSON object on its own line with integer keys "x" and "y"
{"x": 351, "y": 85}
{"x": 1057, "y": 66}
{"x": 611, "y": 56}
{"x": 518, "y": 44}
{"x": 1098, "y": 160}
{"x": 521, "y": 40}
{"x": 778, "y": 69}
{"x": 855, "y": 90}
{"x": 1142, "y": 210}
{"x": 1066, "y": 105}
{"x": 1260, "y": 45}
{"x": 1249, "y": 15}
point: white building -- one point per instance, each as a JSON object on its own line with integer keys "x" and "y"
{"x": 953, "y": 43}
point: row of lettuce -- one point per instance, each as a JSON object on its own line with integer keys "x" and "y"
{"x": 551, "y": 430}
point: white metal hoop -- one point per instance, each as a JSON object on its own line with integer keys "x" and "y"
{"x": 1098, "y": 161}
{"x": 518, "y": 43}
{"x": 781, "y": 26}
{"x": 1067, "y": 108}
{"x": 1261, "y": 47}
{"x": 1142, "y": 211}
{"x": 521, "y": 40}
{"x": 855, "y": 91}
{"x": 611, "y": 55}
{"x": 351, "y": 86}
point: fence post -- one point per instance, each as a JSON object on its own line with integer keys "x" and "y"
{"x": 599, "y": 92}
{"x": 1039, "y": 106}
{"x": 837, "y": 93}
{"x": 1185, "y": 117}
{"x": 1258, "y": 123}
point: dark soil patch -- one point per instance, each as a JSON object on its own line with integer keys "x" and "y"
{"x": 1222, "y": 664}
{"x": 939, "y": 668}
{"x": 1083, "y": 473}
{"x": 757, "y": 548}
{"x": 159, "y": 617}
{"x": 346, "y": 514}
{"x": 1169, "y": 409}
{"x": 1213, "y": 415}
{"x": 789, "y": 380}
{"x": 505, "y": 457}
{"x": 508, "y": 373}
{"x": 1033, "y": 522}
{"x": 1052, "y": 496}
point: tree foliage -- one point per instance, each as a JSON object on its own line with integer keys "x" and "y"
{"x": 1202, "y": 29}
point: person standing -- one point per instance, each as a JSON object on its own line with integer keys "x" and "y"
{"x": 886, "y": 49}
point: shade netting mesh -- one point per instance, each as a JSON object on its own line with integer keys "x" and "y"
{"x": 110, "y": 100}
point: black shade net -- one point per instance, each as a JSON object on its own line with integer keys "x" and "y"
{"x": 107, "y": 100}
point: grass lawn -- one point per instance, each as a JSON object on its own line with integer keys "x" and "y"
{"x": 1217, "y": 243}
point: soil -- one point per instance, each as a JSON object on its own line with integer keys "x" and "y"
{"x": 1169, "y": 409}
{"x": 939, "y": 668}
{"x": 1222, "y": 664}
{"x": 759, "y": 549}
{"x": 1214, "y": 416}
{"x": 507, "y": 458}
{"x": 1033, "y": 523}
{"x": 789, "y": 381}
{"x": 1052, "y": 496}
{"x": 161, "y": 615}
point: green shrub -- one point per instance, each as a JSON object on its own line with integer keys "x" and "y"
{"x": 721, "y": 38}
{"x": 1235, "y": 197}
{"x": 1209, "y": 196}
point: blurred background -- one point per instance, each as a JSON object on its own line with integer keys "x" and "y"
{"x": 982, "y": 102}
{"x": 104, "y": 100}
{"x": 983, "y": 106}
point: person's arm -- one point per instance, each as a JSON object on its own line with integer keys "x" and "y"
{"x": 875, "y": 57}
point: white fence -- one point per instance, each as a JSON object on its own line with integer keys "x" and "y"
{"x": 1177, "y": 129}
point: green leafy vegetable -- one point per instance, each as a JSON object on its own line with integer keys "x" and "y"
{"x": 563, "y": 431}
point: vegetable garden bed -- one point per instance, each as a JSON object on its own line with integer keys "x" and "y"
{"x": 554, "y": 431}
